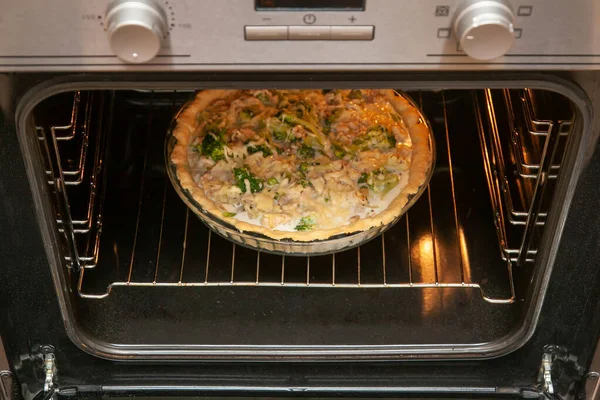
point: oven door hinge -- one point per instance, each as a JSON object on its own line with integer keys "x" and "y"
{"x": 45, "y": 353}
{"x": 559, "y": 370}
{"x": 7, "y": 385}
{"x": 50, "y": 371}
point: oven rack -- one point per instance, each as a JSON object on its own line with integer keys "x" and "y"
{"x": 198, "y": 257}
{"x": 295, "y": 271}
{"x": 96, "y": 281}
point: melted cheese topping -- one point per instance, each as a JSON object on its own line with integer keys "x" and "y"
{"x": 300, "y": 160}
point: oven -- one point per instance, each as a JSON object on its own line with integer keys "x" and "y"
{"x": 488, "y": 286}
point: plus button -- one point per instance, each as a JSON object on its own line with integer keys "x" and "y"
{"x": 352, "y": 19}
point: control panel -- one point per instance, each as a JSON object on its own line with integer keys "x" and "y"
{"x": 320, "y": 32}
{"x": 121, "y": 35}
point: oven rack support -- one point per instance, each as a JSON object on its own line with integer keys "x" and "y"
{"x": 81, "y": 229}
{"x": 529, "y": 132}
{"x": 528, "y": 149}
{"x": 76, "y": 130}
{"x": 502, "y": 184}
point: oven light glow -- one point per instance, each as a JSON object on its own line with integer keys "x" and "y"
{"x": 423, "y": 255}
{"x": 426, "y": 245}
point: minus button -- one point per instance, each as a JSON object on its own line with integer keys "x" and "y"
{"x": 266, "y": 32}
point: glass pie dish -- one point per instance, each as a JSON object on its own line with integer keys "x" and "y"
{"x": 264, "y": 243}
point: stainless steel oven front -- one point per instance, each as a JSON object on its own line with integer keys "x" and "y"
{"x": 242, "y": 35}
{"x": 489, "y": 284}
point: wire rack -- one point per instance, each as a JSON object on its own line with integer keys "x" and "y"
{"x": 446, "y": 240}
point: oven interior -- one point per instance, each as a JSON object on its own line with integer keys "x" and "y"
{"x": 146, "y": 277}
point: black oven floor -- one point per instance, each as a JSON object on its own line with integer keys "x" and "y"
{"x": 448, "y": 238}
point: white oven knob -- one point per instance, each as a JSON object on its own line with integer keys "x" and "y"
{"x": 135, "y": 29}
{"x": 484, "y": 28}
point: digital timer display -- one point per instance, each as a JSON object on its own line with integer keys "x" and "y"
{"x": 316, "y": 5}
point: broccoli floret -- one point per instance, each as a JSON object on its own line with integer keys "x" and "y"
{"x": 263, "y": 98}
{"x": 335, "y": 115}
{"x": 280, "y": 135}
{"x": 361, "y": 145}
{"x": 306, "y": 224}
{"x": 306, "y": 152}
{"x": 302, "y": 109}
{"x": 355, "y": 95}
{"x": 243, "y": 174}
{"x": 382, "y": 186}
{"x": 378, "y": 181}
{"x": 278, "y": 129}
{"x": 305, "y": 183}
{"x": 363, "y": 178}
{"x": 272, "y": 181}
{"x": 303, "y": 168}
{"x": 391, "y": 140}
{"x": 212, "y": 146}
{"x": 245, "y": 115}
{"x": 379, "y": 137}
{"x": 260, "y": 148}
{"x": 331, "y": 119}
{"x": 338, "y": 150}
